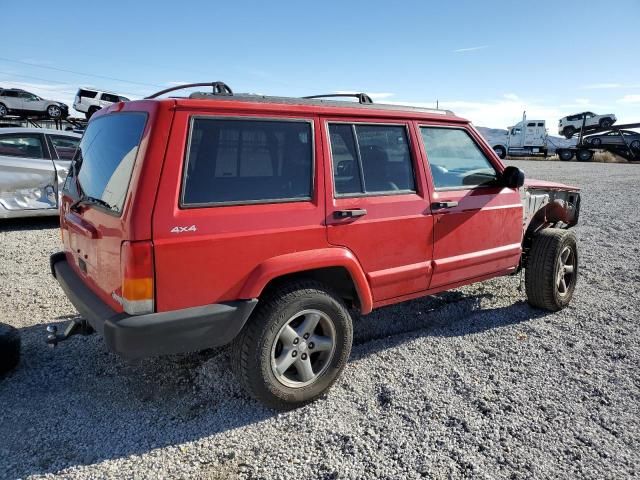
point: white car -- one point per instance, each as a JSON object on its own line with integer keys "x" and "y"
{"x": 20, "y": 102}
{"x": 34, "y": 163}
{"x": 568, "y": 126}
{"x": 89, "y": 100}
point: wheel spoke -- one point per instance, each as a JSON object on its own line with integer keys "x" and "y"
{"x": 568, "y": 269}
{"x": 321, "y": 343}
{"x": 565, "y": 255}
{"x": 309, "y": 324}
{"x": 288, "y": 335}
{"x": 305, "y": 370}
{"x": 284, "y": 361}
{"x": 563, "y": 286}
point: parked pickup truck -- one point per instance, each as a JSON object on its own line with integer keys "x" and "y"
{"x": 264, "y": 222}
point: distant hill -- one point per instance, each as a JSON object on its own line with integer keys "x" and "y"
{"x": 499, "y": 135}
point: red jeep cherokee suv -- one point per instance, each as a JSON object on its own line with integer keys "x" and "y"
{"x": 194, "y": 222}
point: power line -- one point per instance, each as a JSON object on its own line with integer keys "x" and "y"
{"x": 81, "y": 73}
{"x": 61, "y": 83}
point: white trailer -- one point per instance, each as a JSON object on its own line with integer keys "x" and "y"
{"x": 525, "y": 138}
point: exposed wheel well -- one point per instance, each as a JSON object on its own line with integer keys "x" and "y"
{"x": 337, "y": 278}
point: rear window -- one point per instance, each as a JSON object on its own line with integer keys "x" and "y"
{"x": 65, "y": 147}
{"x": 87, "y": 93}
{"x": 106, "y": 156}
{"x": 233, "y": 161}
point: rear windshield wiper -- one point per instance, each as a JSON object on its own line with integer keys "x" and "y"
{"x": 88, "y": 200}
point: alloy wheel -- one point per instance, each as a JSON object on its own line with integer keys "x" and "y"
{"x": 303, "y": 348}
{"x": 565, "y": 277}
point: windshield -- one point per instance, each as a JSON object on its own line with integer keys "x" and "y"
{"x": 106, "y": 155}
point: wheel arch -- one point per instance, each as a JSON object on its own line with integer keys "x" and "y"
{"x": 334, "y": 266}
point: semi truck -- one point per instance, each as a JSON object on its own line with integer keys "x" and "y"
{"x": 525, "y": 138}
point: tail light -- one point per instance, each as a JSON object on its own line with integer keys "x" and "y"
{"x": 136, "y": 268}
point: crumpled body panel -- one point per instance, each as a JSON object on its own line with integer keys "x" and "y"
{"x": 26, "y": 185}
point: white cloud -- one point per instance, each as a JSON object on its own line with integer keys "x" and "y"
{"x": 582, "y": 101}
{"x": 373, "y": 95}
{"x": 629, "y": 99}
{"x": 609, "y": 86}
{"x": 510, "y": 96}
{"x": 471, "y": 49}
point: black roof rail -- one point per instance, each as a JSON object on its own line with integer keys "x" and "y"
{"x": 362, "y": 97}
{"x": 219, "y": 88}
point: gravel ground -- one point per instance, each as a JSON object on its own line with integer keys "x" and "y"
{"x": 473, "y": 383}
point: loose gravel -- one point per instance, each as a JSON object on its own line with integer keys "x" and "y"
{"x": 473, "y": 383}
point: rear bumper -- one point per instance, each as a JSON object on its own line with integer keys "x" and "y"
{"x": 163, "y": 333}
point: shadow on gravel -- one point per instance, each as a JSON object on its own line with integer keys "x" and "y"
{"x": 79, "y": 405}
{"x": 35, "y": 223}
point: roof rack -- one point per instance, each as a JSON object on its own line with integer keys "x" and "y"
{"x": 218, "y": 88}
{"x": 362, "y": 97}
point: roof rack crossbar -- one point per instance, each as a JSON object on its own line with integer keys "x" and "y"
{"x": 219, "y": 88}
{"x": 362, "y": 97}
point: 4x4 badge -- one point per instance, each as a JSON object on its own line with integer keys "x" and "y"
{"x": 192, "y": 228}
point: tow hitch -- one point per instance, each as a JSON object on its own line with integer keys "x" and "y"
{"x": 77, "y": 326}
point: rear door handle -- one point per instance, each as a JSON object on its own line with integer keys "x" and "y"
{"x": 356, "y": 212}
{"x": 440, "y": 205}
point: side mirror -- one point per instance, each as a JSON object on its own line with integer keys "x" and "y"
{"x": 512, "y": 177}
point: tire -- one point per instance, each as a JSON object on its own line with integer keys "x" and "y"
{"x": 596, "y": 142}
{"x": 568, "y": 132}
{"x": 565, "y": 155}
{"x": 3, "y": 110}
{"x": 500, "y": 151}
{"x": 9, "y": 348}
{"x": 605, "y": 122}
{"x": 54, "y": 112}
{"x": 264, "y": 342}
{"x": 635, "y": 145}
{"x": 545, "y": 289}
{"x": 90, "y": 113}
{"x": 584, "y": 155}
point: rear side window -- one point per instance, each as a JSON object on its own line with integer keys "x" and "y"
{"x": 107, "y": 97}
{"x": 26, "y": 146}
{"x": 455, "y": 159}
{"x": 106, "y": 156}
{"x": 87, "y": 93}
{"x": 370, "y": 159}
{"x": 65, "y": 147}
{"x": 234, "y": 161}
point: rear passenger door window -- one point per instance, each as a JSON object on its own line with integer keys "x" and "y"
{"x": 455, "y": 160}
{"x": 236, "y": 161}
{"x": 370, "y": 159}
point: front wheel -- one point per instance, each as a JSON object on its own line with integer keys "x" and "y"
{"x": 565, "y": 155}
{"x": 606, "y": 123}
{"x": 3, "y": 110}
{"x": 54, "y": 111}
{"x": 552, "y": 269}
{"x": 500, "y": 151}
{"x": 294, "y": 346}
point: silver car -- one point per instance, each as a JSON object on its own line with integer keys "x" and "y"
{"x": 14, "y": 101}
{"x": 34, "y": 163}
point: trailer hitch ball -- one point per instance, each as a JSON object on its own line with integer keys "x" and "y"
{"x": 52, "y": 337}
{"x": 75, "y": 327}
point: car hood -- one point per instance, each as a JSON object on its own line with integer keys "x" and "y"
{"x": 542, "y": 184}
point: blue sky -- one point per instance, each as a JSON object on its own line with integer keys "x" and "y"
{"x": 487, "y": 61}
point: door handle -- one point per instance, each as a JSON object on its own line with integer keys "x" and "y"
{"x": 439, "y": 205}
{"x": 356, "y": 212}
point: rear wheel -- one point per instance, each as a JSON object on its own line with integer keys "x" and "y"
{"x": 568, "y": 132}
{"x": 9, "y": 348}
{"x": 3, "y": 110}
{"x": 596, "y": 142}
{"x": 90, "y": 113}
{"x": 294, "y": 346}
{"x": 552, "y": 269}
{"x": 635, "y": 144}
{"x": 500, "y": 151}
{"x": 565, "y": 155}
{"x": 584, "y": 155}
